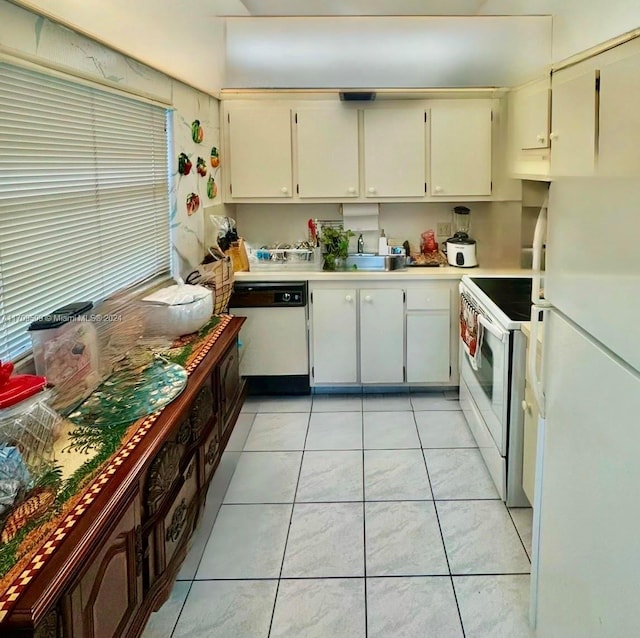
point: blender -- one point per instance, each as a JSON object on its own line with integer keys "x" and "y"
{"x": 461, "y": 249}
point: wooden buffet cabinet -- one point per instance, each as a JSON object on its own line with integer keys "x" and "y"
{"x": 118, "y": 564}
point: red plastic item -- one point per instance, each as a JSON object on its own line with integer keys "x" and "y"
{"x": 19, "y": 387}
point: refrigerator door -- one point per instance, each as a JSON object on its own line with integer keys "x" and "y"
{"x": 589, "y": 541}
{"x": 593, "y": 259}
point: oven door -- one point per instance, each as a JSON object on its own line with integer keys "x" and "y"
{"x": 489, "y": 384}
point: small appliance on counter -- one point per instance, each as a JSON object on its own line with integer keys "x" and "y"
{"x": 461, "y": 249}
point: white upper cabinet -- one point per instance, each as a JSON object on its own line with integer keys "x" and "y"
{"x": 619, "y": 140}
{"x": 460, "y": 148}
{"x": 394, "y": 152}
{"x": 327, "y": 144}
{"x": 532, "y": 114}
{"x": 260, "y": 152}
{"x": 320, "y": 149}
{"x": 573, "y": 121}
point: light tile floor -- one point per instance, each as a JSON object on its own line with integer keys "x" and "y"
{"x": 359, "y": 516}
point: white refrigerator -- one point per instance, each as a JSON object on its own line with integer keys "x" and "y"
{"x": 586, "y": 557}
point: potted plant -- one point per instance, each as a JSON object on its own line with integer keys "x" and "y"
{"x": 336, "y": 246}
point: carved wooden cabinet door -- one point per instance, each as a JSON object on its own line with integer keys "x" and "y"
{"x": 203, "y": 410}
{"x": 106, "y": 597}
{"x": 230, "y": 386}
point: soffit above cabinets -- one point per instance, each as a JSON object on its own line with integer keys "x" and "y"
{"x": 391, "y": 51}
{"x": 395, "y": 7}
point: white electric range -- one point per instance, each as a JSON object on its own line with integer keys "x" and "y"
{"x": 492, "y": 382}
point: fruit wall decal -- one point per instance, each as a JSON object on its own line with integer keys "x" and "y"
{"x": 193, "y": 203}
{"x": 212, "y": 188}
{"x": 201, "y": 167}
{"x": 184, "y": 164}
{"x": 215, "y": 158}
{"x": 197, "y": 132}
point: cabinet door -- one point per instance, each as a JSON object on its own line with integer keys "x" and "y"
{"x": 260, "y": 152}
{"x": 394, "y": 152}
{"x": 619, "y": 140}
{"x": 230, "y": 385}
{"x": 573, "y": 124}
{"x": 381, "y": 336}
{"x": 530, "y": 443}
{"x": 428, "y": 346}
{"x": 327, "y": 151}
{"x": 461, "y": 148}
{"x": 533, "y": 114}
{"x": 108, "y": 594}
{"x": 334, "y": 343}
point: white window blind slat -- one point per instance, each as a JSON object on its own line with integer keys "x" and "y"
{"x": 84, "y": 197}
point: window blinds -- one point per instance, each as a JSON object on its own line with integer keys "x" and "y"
{"x": 84, "y": 197}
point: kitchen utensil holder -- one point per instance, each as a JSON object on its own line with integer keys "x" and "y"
{"x": 218, "y": 276}
{"x": 238, "y": 254}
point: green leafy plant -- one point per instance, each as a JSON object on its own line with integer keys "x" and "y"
{"x": 336, "y": 245}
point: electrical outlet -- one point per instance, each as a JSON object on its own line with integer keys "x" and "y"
{"x": 444, "y": 229}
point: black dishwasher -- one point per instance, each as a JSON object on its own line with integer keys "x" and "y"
{"x": 274, "y": 352}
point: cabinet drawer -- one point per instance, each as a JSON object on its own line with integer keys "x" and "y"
{"x": 428, "y": 298}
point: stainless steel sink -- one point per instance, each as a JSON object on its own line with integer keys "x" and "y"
{"x": 371, "y": 261}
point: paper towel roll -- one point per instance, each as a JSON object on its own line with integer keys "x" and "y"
{"x": 360, "y": 216}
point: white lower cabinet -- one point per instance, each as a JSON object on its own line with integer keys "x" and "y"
{"x": 334, "y": 340}
{"x": 381, "y": 336}
{"x": 385, "y": 334}
{"x": 428, "y": 334}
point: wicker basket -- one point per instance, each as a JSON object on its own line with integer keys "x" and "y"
{"x": 218, "y": 276}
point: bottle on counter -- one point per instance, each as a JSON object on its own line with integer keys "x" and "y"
{"x": 360, "y": 244}
{"x": 383, "y": 248}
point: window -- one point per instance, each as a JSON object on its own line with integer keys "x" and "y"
{"x": 84, "y": 196}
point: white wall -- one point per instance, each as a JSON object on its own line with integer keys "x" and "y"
{"x": 495, "y": 225}
{"x": 182, "y": 39}
{"x": 581, "y": 24}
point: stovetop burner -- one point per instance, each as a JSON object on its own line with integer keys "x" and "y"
{"x": 511, "y": 294}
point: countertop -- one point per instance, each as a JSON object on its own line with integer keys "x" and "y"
{"x": 405, "y": 274}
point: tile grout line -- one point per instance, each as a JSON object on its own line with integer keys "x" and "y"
{"x": 364, "y": 530}
{"x": 444, "y": 546}
{"x": 286, "y": 540}
{"x": 184, "y": 602}
{"x": 519, "y": 535}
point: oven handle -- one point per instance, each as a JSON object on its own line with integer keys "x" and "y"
{"x": 496, "y": 332}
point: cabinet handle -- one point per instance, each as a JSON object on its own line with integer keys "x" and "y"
{"x": 348, "y": 298}
{"x": 553, "y": 136}
{"x": 437, "y": 189}
{"x": 351, "y": 190}
{"x": 284, "y": 190}
{"x": 367, "y": 298}
{"x": 540, "y": 138}
{"x": 526, "y": 406}
{"x": 371, "y": 189}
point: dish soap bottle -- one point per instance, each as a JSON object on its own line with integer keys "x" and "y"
{"x": 383, "y": 248}
{"x": 360, "y": 244}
